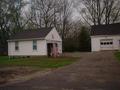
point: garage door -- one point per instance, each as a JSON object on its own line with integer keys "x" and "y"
{"x": 106, "y": 44}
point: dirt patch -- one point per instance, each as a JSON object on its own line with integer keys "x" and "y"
{"x": 94, "y": 71}
{"x": 9, "y": 74}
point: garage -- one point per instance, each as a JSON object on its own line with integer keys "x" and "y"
{"x": 105, "y": 37}
{"x": 106, "y": 44}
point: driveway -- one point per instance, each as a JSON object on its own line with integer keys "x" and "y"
{"x": 94, "y": 71}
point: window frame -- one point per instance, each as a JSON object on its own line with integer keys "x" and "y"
{"x": 16, "y": 46}
{"x": 106, "y": 42}
{"x": 34, "y": 46}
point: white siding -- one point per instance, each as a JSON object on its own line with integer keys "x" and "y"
{"x": 95, "y": 42}
{"x": 60, "y": 47}
{"x": 26, "y": 48}
{"x": 53, "y": 36}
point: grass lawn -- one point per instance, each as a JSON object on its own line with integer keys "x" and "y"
{"x": 11, "y": 69}
{"x": 40, "y": 62}
{"x": 117, "y": 54}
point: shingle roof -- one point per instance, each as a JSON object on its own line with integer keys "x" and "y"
{"x": 33, "y": 33}
{"x": 111, "y": 29}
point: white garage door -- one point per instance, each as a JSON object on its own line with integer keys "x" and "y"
{"x": 106, "y": 44}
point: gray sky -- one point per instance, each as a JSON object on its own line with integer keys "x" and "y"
{"x": 75, "y": 13}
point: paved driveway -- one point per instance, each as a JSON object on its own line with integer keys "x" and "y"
{"x": 94, "y": 71}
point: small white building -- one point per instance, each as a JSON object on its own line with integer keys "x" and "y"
{"x": 105, "y": 37}
{"x": 39, "y": 42}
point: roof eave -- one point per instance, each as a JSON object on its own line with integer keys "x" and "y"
{"x": 102, "y": 35}
{"x": 29, "y": 39}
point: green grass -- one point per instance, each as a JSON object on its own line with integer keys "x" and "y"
{"x": 41, "y": 62}
{"x": 117, "y": 55}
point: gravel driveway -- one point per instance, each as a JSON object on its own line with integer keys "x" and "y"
{"x": 94, "y": 71}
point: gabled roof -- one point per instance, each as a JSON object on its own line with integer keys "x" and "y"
{"x": 111, "y": 29}
{"x": 33, "y": 33}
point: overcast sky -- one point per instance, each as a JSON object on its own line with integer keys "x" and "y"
{"x": 75, "y": 13}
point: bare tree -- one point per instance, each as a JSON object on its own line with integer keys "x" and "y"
{"x": 10, "y": 19}
{"x": 100, "y": 11}
{"x": 112, "y": 11}
{"x": 49, "y": 13}
{"x": 64, "y": 16}
{"x": 15, "y": 9}
{"x": 43, "y": 12}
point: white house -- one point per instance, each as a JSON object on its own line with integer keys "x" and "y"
{"x": 105, "y": 37}
{"x": 39, "y": 42}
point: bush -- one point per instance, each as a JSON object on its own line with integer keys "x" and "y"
{"x": 70, "y": 45}
{"x": 84, "y": 40}
{"x": 80, "y": 42}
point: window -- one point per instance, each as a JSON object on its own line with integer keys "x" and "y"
{"x": 16, "y": 46}
{"x": 108, "y": 43}
{"x": 34, "y": 45}
{"x": 105, "y": 43}
{"x": 111, "y": 43}
{"x": 101, "y": 43}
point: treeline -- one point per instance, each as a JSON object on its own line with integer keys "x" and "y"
{"x": 81, "y": 42}
{"x": 10, "y": 20}
{"x": 18, "y": 15}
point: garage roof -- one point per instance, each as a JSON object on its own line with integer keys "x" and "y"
{"x": 111, "y": 29}
{"x": 31, "y": 33}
